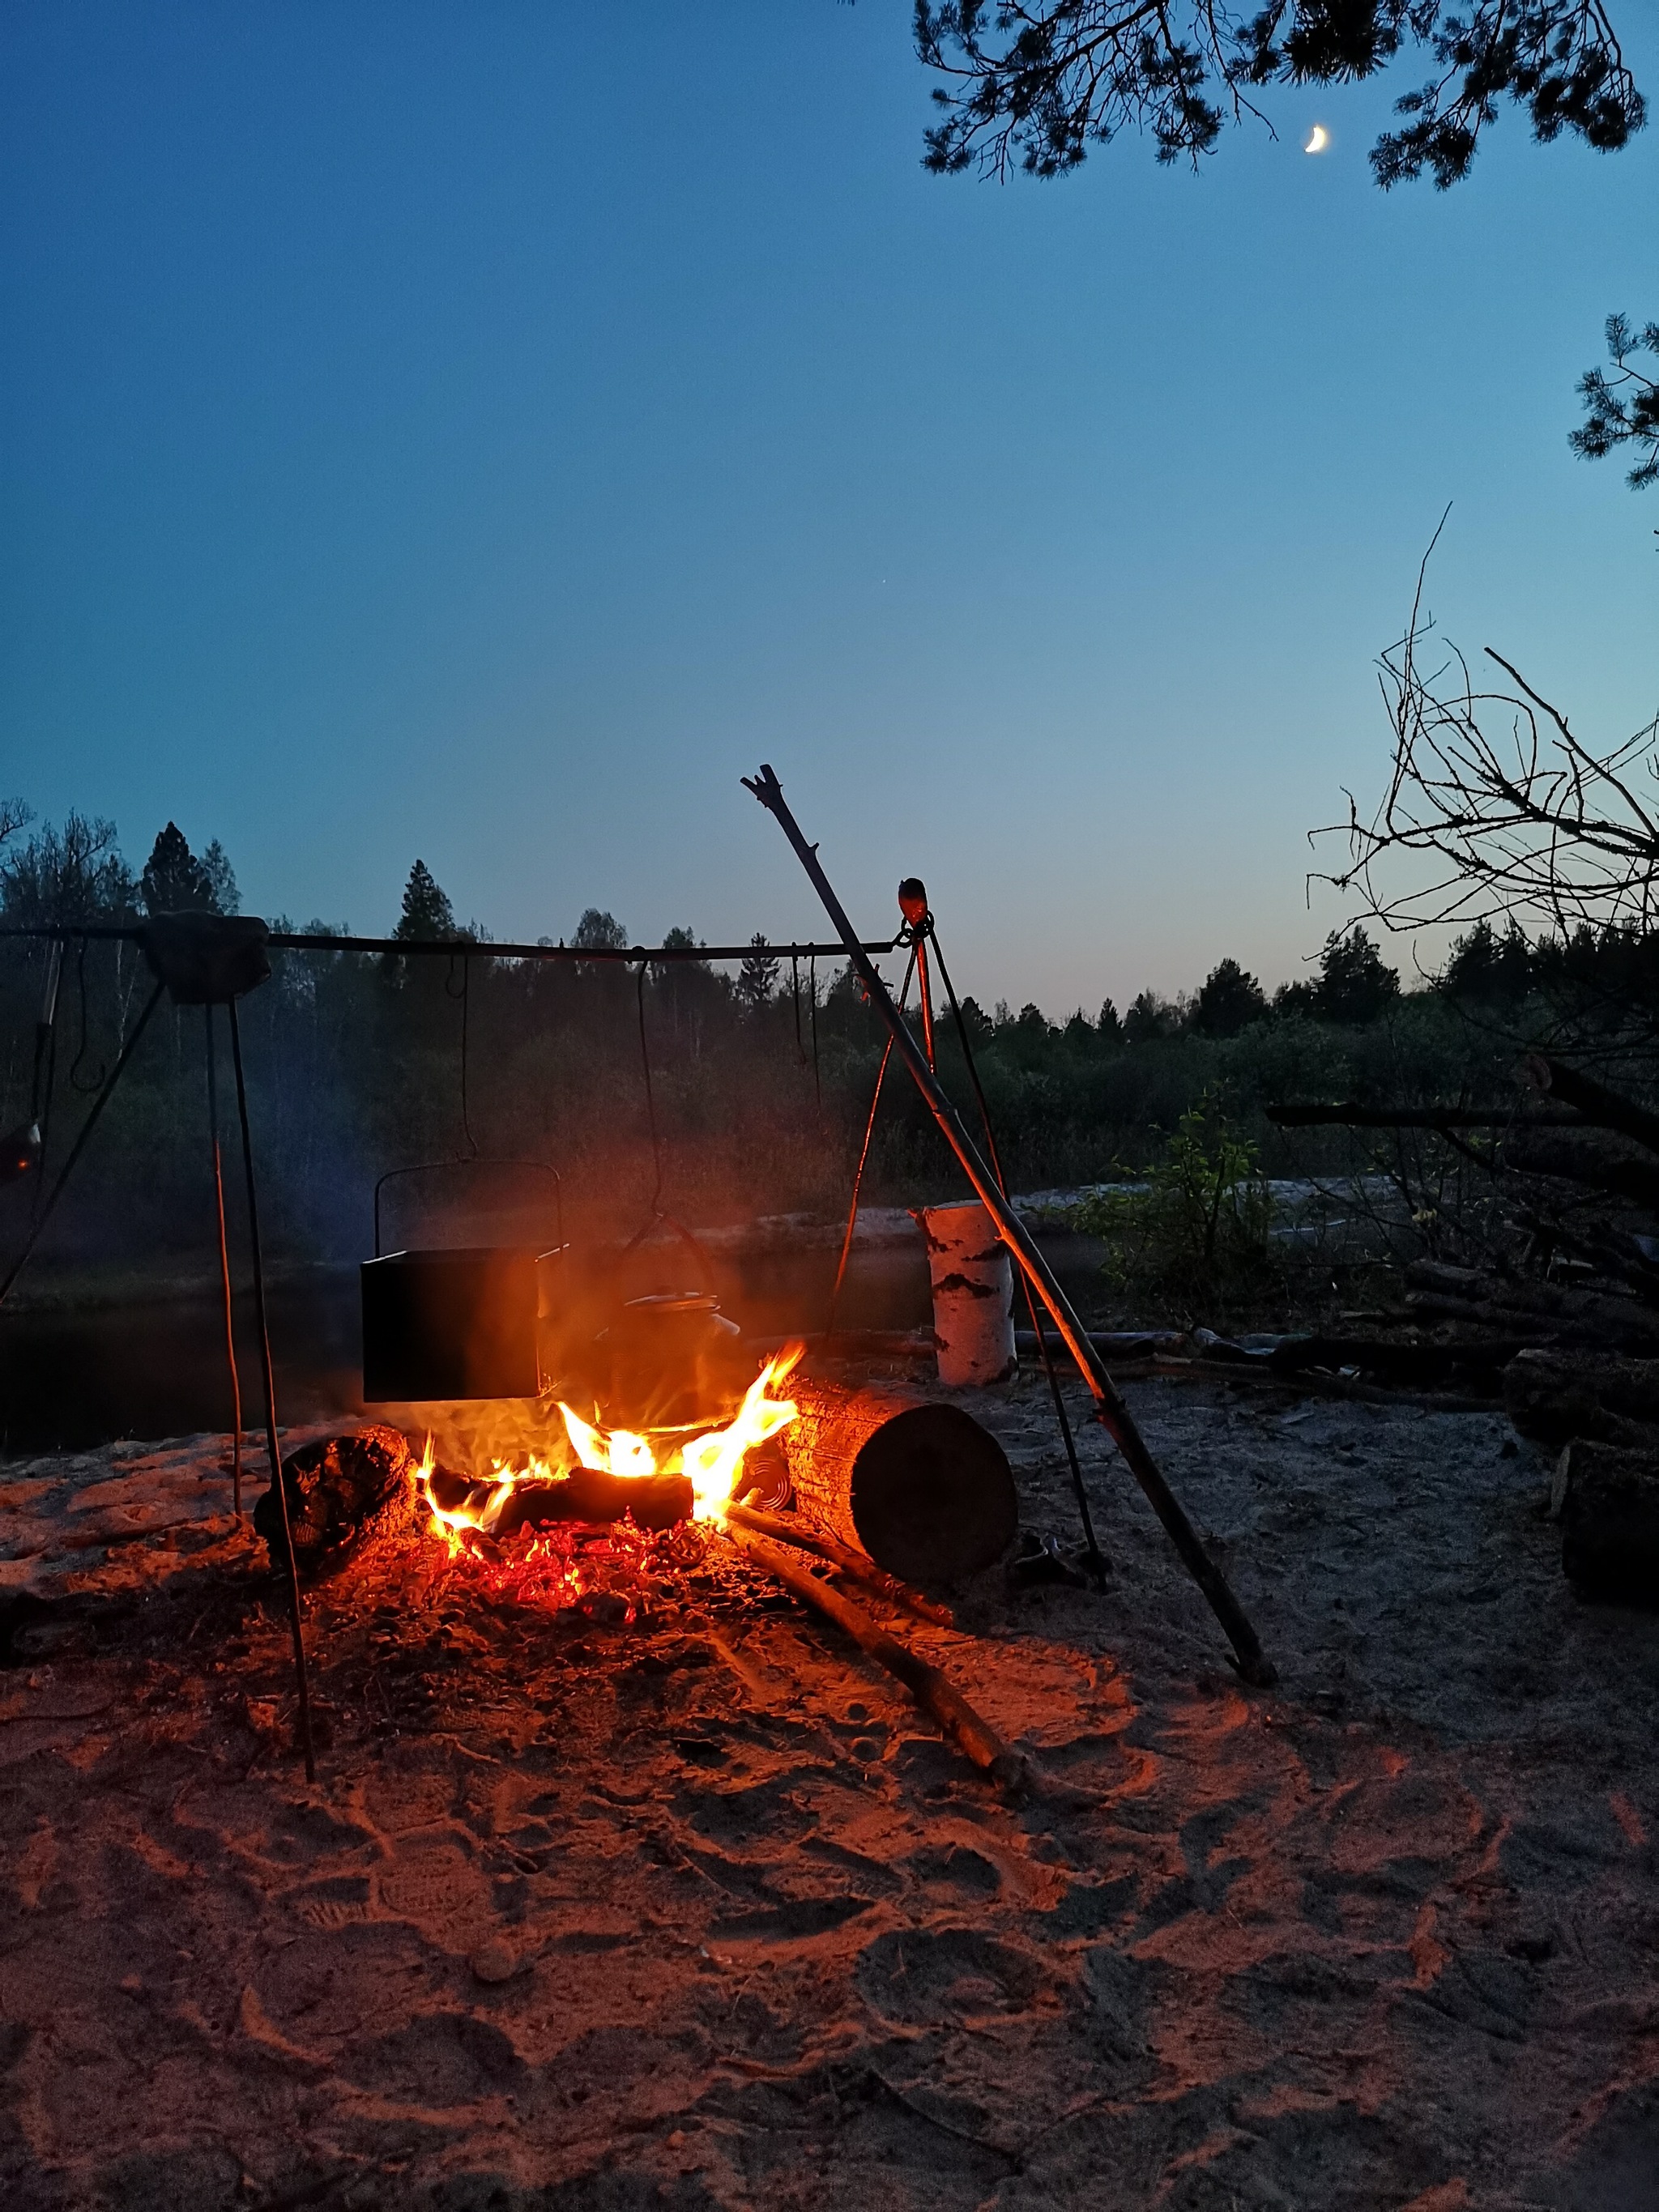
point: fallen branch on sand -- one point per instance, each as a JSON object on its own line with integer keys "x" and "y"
{"x": 938, "y": 1696}
{"x": 794, "y": 1529}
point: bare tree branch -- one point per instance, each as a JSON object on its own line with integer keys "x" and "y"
{"x": 1516, "y": 818}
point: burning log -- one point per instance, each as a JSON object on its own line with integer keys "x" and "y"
{"x": 918, "y": 1486}
{"x": 336, "y": 1488}
{"x": 588, "y": 1494}
{"x": 1610, "y": 1522}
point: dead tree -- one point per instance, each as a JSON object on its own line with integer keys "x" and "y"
{"x": 1497, "y": 810}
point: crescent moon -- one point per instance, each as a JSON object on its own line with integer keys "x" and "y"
{"x": 1320, "y": 140}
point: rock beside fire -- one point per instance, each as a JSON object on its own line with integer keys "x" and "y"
{"x": 336, "y": 1488}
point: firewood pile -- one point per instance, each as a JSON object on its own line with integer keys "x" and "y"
{"x": 1560, "y": 1295}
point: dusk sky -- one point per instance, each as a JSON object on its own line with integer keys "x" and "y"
{"x": 485, "y": 432}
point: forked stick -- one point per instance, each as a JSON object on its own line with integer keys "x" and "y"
{"x": 792, "y": 1529}
{"x": 938, "y": 1696}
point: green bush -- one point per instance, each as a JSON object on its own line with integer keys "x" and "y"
{"x": 1196, "y": 1236}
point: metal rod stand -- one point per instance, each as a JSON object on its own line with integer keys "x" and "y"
{"x": 864, "y": 1160}
{"x": 224, "y": 1272}
{"x": 278, "y": 1489}
{"x": 1253, "y": 1663}
{"x": 1096, "y": 1558}
{"x": 80, "y": 1144}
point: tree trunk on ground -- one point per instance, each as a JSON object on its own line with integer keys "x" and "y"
{"x": 1553, "y": 1397}
{"x": 1437, "y": 1290}
{"x": 919, "y": 1486}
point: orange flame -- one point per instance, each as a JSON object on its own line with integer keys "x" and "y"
{"x": 712, "y": 1461}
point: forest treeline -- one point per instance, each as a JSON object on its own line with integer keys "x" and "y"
{"x": 761, "y": 1074}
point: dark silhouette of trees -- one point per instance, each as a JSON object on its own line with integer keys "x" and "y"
{"x": 1484, "y": 968}
{"x": 1229, "y": 1000}
{"x": 977, "y": 1023}
{"x": 173, "y": 880}
{"x": 757, "y": 976}
{"x": 599, "y": 931}
{"x": 1149, "y": 1018}
{"x": 1036, "y": 83}
{"x": 1354, "y": 986}
{"x": 62, "y": 877}
{"x": 222, "y": 880}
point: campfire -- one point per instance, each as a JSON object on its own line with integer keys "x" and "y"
{"x": 656, "y": 1479}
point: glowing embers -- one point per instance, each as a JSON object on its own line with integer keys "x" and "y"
{"x": 654, "y": 1482}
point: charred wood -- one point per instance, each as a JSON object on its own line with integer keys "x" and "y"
{"x": 1394, "y": 1360}
{"x": 589, "y": 1494}
{"x": 336, "y": 1488}
{"x": 1117, "y": 1345}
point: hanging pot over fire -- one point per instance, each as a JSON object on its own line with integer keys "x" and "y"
{"x": 662, "y": 1360}
{"x": 456, "y": 1322}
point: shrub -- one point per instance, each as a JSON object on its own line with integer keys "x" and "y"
{"x": 1196, "y": 1236}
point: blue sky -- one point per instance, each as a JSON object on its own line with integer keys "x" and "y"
{"x": 484, "y": 432}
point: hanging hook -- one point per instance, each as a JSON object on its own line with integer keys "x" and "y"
{"x": 812, "y": 996}
{"x": 794, "y": 992}
{"x": 97, "y": 1081}
{"x": 467, "y": 1002}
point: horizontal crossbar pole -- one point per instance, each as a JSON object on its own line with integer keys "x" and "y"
{"x": 468, "y": 948}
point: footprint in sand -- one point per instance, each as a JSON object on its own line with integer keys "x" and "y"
{"x": 432, "y": 1882}
{"x": 923, "y": 1975}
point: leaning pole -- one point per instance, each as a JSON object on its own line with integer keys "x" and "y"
{"x": 1115, "y": 1416}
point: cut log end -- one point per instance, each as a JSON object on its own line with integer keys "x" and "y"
{"x": 918, "y": 1486}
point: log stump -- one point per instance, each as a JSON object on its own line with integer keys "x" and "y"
{"x": 1610, "y": 1523}
{"x": 919, "y": 1486}
{"x": 337, "y": 1488}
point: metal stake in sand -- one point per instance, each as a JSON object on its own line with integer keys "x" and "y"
{"x": 224, "y": 1272}
{"x": 278, "y": 1490}
{"x": 1114, "y": 1415}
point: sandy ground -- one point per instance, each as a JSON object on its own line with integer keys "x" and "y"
{"x": 699, "y": 1912}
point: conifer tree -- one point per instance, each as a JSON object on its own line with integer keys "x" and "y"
{"x": 174, "y": 881}
{"x": 426, "y": 912}
{"x": 757, "y": 976}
